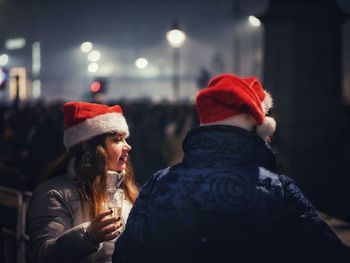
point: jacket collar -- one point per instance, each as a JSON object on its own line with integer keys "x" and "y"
{"x": 219, "y": 144}
{"x": 114, "y": 179}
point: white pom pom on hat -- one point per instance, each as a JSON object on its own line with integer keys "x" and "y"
{"x": 267, "y": 128}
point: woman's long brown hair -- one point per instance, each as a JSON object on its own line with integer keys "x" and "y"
{"x": 91, "y": 174}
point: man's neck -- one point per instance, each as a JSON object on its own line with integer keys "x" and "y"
{"x": 244, "y": 121}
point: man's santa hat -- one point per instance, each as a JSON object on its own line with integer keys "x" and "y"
{"x": 229, "y": 95}
{"x": 83, "y": 121}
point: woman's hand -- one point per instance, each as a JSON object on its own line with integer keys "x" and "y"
{"x": 104, "y": 227}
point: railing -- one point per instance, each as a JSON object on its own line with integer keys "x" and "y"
{"x": 14, "y": 206}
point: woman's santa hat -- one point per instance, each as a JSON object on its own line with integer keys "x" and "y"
{"x": 83, "y": 121}
{"x": 229, "y": 95}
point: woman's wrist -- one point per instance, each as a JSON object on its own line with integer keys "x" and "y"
{"x": 90, "y": 238}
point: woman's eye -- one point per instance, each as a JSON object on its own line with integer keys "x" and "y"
{"x": 117, "y": 139}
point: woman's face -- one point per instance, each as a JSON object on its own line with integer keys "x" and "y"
{"x": 117, "y": 152}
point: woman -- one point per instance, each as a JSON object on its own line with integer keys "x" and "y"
{"x": 68, "y": 218}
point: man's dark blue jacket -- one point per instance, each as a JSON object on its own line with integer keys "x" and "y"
{"x": 223, "y": 204}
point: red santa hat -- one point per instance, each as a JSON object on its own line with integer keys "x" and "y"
{"x": 228, "y": 95}
{"x": 83, "y": 121}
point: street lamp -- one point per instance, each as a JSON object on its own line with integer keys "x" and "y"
{"x": 256, "y": 38}
{"x": 176, "y": 38}
{"x": 254, "y": 21}
{"x": 89, "y": 65}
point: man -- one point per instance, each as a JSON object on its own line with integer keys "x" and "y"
{"x": 223, "y": 203}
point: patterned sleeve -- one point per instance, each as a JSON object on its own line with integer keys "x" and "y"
{"x": 309, "y": 239}
{"x": 131, "y": 243}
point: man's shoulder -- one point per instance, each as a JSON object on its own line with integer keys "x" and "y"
{"x": 268, "y": 174}
{"x": 158, "y": 175}
{"x": 282, "y": 180}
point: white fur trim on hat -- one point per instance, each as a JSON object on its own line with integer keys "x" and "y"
{"x": 267, "y": 103}
{"x": 267, "y": 128}
{"x": 98, "y": 125}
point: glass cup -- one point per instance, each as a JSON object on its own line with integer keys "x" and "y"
{"x": 115, "y": 201}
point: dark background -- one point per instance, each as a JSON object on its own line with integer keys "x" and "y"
{"x": 300, "y": 53}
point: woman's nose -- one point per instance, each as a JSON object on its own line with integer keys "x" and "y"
{"x": 127, "y": 147}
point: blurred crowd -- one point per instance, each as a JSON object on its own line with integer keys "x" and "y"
{"x": 31, "y": 139}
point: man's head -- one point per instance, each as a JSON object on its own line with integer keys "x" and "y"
{"x": 232, "y": 100}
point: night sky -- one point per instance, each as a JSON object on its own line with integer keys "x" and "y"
{"x": 126, "y": 30}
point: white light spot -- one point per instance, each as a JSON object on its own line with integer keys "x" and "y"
{"x": 36, "y": 58}
{"x": 254, "y": 21}
{"x": 175, "y": 38}
{"x": 141, "y": 63}
{"x": 86, "y": 47}
{"x": 93, "y": 67}
{"x": 4, "y": 59}
{"x": 94, "y": 56}
{"x": 15, "y": 43}
{"x": 36, "y": 88}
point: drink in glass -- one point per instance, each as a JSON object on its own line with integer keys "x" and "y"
{"x": 115, "y": 201}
